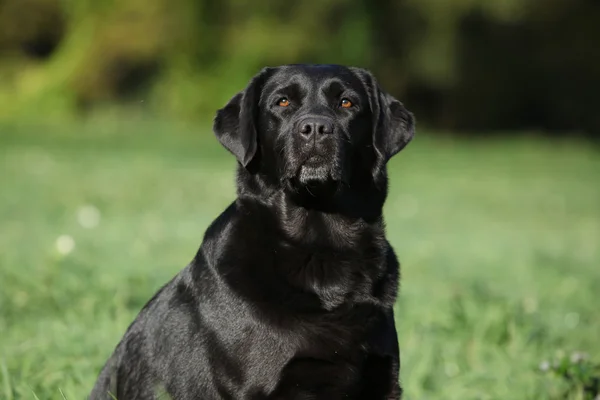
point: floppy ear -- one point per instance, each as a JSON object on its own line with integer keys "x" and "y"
{"x": 235, "y": 124}
{"x": 395, "y": 127}
{"x": 393, "y": 124}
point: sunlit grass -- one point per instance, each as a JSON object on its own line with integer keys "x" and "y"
{"x": 499, "y": 243}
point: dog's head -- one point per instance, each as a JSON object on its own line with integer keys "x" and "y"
{"x": 314, "y": 127}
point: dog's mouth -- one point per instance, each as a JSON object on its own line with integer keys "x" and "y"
{"x": 314, "y": 170}
{"x": 315, "y": 173}
{"x": 317, "y": 178}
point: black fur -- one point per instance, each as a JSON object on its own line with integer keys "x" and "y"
{"x": 291, "y": 294}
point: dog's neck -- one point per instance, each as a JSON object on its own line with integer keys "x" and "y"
{"x": 306, "y": 251}
{"x": 313, "y": 225}
{"x": 336, "y": 219}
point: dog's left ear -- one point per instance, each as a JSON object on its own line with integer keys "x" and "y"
{"x": 393, "y": 124}
{"x": 395, "y": 127}
{"x": 235, "y": 124}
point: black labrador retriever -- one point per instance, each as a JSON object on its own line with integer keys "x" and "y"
{"x": 291, "y": 294}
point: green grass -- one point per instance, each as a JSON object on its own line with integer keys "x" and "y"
{"x": 499, "y": 243}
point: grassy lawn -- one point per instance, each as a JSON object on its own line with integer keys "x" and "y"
{"x": 499, "y": 243}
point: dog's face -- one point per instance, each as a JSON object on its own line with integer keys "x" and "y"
{"x": 314, "y": 126}
{"x": 312, "y": 120}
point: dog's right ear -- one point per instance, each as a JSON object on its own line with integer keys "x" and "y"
{"x": 235, "y": 124}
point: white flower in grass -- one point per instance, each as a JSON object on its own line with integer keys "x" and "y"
{"x": 578, "y": 357}
{"x": 65, "y": 244}
{"x": 88, "y": 216}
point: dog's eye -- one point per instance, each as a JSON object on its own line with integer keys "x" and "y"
{"x": 283, "y": 102}
{"x": 345, "y": 103}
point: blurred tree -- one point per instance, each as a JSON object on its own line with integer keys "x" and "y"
{"x": 464, "y": 64}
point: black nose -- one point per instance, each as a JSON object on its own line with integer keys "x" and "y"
{"x": 312, "y": 125}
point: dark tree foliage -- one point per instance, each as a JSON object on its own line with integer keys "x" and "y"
{"x": 470, "y": 65}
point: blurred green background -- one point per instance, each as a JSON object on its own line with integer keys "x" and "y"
{"x": 109, "y": 175}
{"x": 461, "y": 64}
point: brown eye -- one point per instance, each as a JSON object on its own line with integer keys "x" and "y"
{"x": 283, "y": 102}
{"x": 346, "y": 103}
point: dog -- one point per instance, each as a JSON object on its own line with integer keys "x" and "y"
{"x": 291, "y": 293}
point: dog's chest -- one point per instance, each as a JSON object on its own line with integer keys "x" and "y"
{"x": 334, "y": 277}
{"x": 275, "y": 357}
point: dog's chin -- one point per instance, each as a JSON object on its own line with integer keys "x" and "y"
{"x": 313, "y": 175}
{"x": 315, "y": 181}
{"x": 316, "y": 177}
